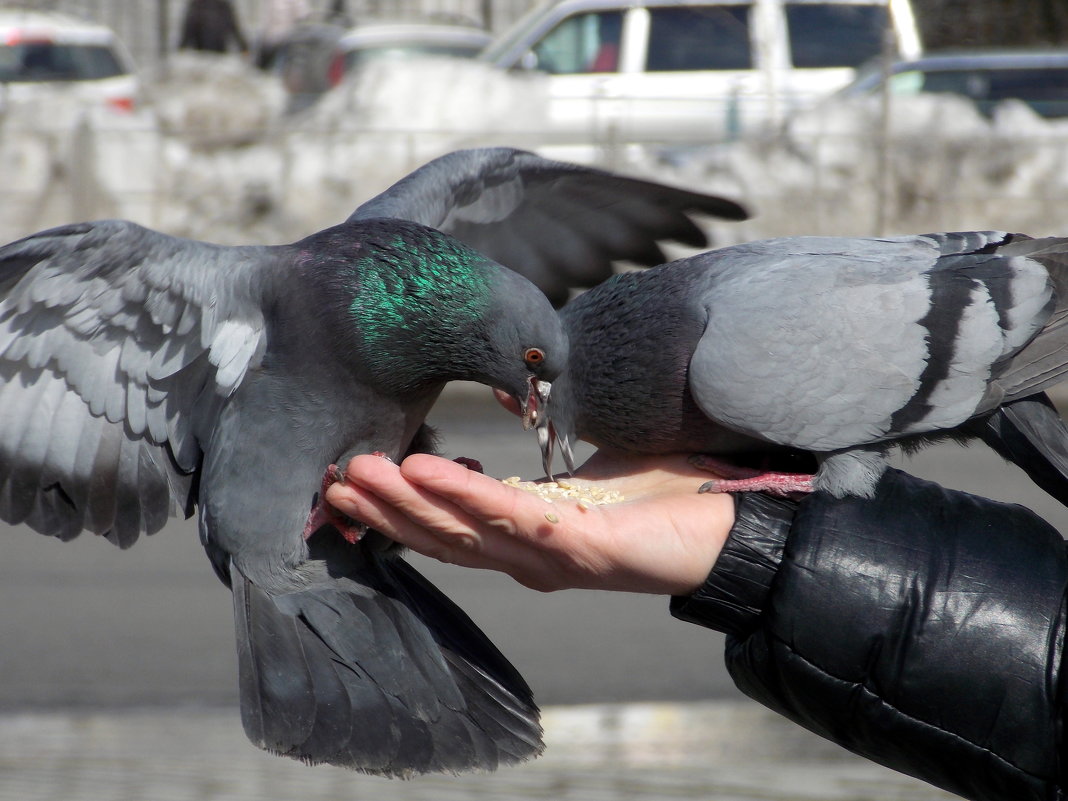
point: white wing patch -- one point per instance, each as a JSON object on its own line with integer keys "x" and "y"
{"x": 1031, "y": 292}
{"x": 236, "y": 344}
{"x": 976, "y": 347}
{"x": 109, "y": 345}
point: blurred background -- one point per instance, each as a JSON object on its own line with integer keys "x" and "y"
{"x": 298, "y": 122}
{"x": 117, "y": 669}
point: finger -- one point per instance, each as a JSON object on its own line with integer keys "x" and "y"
{"x": 427, "y": 522}
{"x": 483, "y": 498}
{"x": 382, "y": 482}
{"x": 454, "y": 545}
{"x": 368, "y": 508}
{"x": 543, "y": 544}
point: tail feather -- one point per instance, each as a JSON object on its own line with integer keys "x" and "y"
{"x": 1043, "y": 362}
{"x": 263, "y": 640}
{"x": 1029, "y": 433}
{"x": 479, "y": 669}
{"x": 1040, "y": 365}
{"x": 376, "y": 670}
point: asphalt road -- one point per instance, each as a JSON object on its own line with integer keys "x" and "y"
{"x": 84, "y": 625}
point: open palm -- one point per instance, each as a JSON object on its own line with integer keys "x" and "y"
{"x": 661, "y": 538}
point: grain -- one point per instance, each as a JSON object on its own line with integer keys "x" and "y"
{"x": 585, "y": 494}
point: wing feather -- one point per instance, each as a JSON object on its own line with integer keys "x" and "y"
{"x": 507, "y": 203}
{"x": 111, "y": 336}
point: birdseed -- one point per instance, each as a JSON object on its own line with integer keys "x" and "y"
{"x": 586, "y": 495}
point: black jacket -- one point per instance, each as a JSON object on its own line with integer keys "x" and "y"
{"x": 922, "y": 629}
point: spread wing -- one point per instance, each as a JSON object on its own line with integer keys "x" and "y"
{"x": 117, "y": 347}
{"x": 559, "y": 225}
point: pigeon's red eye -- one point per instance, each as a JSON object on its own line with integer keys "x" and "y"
{"x": 534, "y": 355}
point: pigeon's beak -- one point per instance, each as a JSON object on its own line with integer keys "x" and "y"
{"x": 537, "y": 399}
{"x": 546, "y": 441}
{"x": 548, "y": 437}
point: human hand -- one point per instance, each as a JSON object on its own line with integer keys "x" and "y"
{"x": 663, "y": 538}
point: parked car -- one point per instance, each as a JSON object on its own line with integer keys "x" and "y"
{"x": 44, "y": 50}
{"x": 647, "y": 69}
{"x": 411, "y": 40}
{"x": 1037, "y": 77}
{"x": 318, "y": 57}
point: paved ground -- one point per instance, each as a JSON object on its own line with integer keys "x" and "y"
{"x": 711, "y": 751}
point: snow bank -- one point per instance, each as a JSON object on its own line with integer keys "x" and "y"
{"x": 213, "y": 155}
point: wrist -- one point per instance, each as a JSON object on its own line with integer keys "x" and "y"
{"x": 734, "y": 594}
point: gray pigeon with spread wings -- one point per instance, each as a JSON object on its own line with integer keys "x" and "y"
{"x": 142, "y": 375}
{"x": 828, "y": 347}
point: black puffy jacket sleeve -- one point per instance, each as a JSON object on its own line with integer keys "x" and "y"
{"x": 922, "y": 629}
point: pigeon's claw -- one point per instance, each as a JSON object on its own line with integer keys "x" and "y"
{"x": 470, "y": 464}
{"x": 781, "y": 484}
{"x": 723, "y": 468}
{"x": 747, "y": 479}
{"x": 322, "y": 514}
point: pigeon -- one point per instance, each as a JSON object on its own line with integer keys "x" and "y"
{"x": 144, "y": 376}
{"x": 819, "y": 354}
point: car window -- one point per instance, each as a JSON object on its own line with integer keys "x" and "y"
{"x": 699, "y": 38}
{"x": 1031, "y": 84}
{"x": 905, "y": 83}
{"x": 43, "y": 61}
{"x": 834, "y": 34}
{"x": 582, "y": 43}
{"x": 973, "y": 84}
{"x": 1045, "y": 90}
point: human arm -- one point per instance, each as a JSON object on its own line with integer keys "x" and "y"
{"x": 922, "y": 629}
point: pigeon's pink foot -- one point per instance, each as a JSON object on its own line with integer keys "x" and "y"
{"x": 723, "y": 468}
{"x": 470, "y": 464}
{"x": 322, "y": 514}
{"x": 747, "y": 479}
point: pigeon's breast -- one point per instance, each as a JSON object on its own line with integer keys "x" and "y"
{"x": 628, "y": 380}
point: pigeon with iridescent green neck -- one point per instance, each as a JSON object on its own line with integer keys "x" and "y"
{"x": 143, "y": 375}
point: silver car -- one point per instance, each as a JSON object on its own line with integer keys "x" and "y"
{"x": 1039, "y": 78}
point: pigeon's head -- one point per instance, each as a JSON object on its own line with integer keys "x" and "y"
{"x": 522, "y": 346}
{"x": 551, "y": 414}
{"x": 428, "y": 309}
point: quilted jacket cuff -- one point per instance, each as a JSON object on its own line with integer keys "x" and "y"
{"x": 733, "y": 597}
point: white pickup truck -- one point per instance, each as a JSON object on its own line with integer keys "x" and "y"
{"x": 665, "y": 70}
